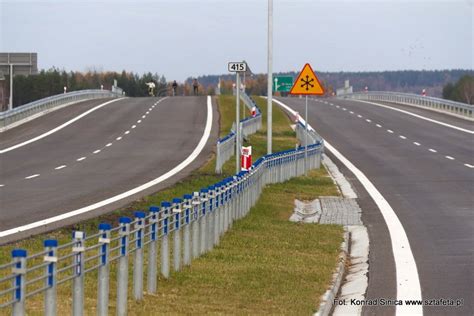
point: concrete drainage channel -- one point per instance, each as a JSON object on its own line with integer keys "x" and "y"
{"x": 352, "y": 268}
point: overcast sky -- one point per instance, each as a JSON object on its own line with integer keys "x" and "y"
{"x": 190, "y": 38}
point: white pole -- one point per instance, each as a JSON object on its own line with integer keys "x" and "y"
{"x": 237, "y": 124}
{"x": 306, "y": 138}
{"x": 10, "y": 104}
{"x": 269, "y": 78}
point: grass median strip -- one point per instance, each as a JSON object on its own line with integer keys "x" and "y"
{"x": 263, "y": 265}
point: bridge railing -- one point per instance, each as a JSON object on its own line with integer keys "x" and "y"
{"x": 248, "y": 126}
{"x": 192, "y": 225}
{"x": 446, "y": 106}
{"x": 33, "y": 109}
{"x": 311, "y": 138}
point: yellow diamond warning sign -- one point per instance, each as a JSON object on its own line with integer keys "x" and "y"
{"x": 307, "y": 83}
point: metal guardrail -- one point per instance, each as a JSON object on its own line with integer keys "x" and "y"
{"x": 194, "y": 222}
{"x": 441, "y": 105}
{"x": 312, "y": 138}
{"x": 226, "y": 146}
{"x": 20, "y": 113}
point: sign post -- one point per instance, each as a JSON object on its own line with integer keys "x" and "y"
{"x": 237, "y": 67}
{"x": 306, "y": 84}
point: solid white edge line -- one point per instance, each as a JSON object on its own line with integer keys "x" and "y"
{"x": 407, "y": 279}
{"x": 419, "y": 116}
{"x": 60, "y": 167}
{"x": 31, "y": 177}
{"x": 54, "y": 130}
{"x": 175, "y": 170}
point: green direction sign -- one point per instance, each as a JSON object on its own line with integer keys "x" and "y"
{"x": 282, "y": 84}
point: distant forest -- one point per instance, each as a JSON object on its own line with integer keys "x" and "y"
{"x": 410, "y": 81}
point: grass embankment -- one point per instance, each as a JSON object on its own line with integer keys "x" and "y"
{"x": 263, "y": 265}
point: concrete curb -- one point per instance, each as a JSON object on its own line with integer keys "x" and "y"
{"x": 326, "y": 305}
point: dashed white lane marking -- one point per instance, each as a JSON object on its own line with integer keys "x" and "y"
{"x": 80, "y": 159}
{"x": 133, "y": 126}
{"x": 143, "y": 116}
{"x": 390, "y": 131}
{"x": 119, "y": 138}
{"x": 337, "y": 106}
{"x": 32, "y": 176}
{"x": 139, "y": 121}
{"x": 406, "y": 271}
{"x": 150, "y": 109}
{"x": 351, "y": 112}
{"x": 344, "y": 109}
{"x": 402, "y": 137}
{"x": 97, "y": 151}
{"x": 54, "y": 130}
{"x": 420, "y": 117}
{"x": 468, "y": 165}
{"x": 433, "y": 150}
{"x": 359, "y": 116}
{"x": 148, "y": 112}
{"x": 192, "y": 157}
{"x": 108, "y": 145}
{"x": 416, "y": 143}
{"x": 60, "y": 167}
{"x": 127, "y": 132}
{"x": 368, "y": 121}
{"x": 449, "y": 157}
{"x": 2, "y": 185}
{"x": 378, "y": 125}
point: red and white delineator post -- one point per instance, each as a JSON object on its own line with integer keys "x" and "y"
{"x": 423, "y": 92}
{"x": 254, "y": 111}
{"x": 246, "y": 158}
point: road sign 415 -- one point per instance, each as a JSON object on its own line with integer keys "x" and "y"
{"x": 237, "y": 66}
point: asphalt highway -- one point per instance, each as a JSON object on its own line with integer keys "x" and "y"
{"x": 115, "y": 148}
{"x": 426, "y": 173}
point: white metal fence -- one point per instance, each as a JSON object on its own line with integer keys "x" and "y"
{"x": 18, "y": 114}
{"x": 446, "y": 106}
{"x": 191, "y": 225}
{"x": 248, "y": 126}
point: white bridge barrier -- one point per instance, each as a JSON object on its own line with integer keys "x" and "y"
{"x": 194, "y": 223}
{"x": 441, "y": 105}
{"x": 14, "y": 117}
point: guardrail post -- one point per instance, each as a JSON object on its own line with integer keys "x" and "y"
{"x": 122, "y": 270}
{"x": 217, "y": 214}
{"x": 196, "y": 204}
{"x": 177, "y": 234}
{"x": 152, "y": 251}
{"x": 165, "y": 259}
{"x": 19, "y": 269}
{"x": 78, "y": 281}
{"x": 103, "y": 277}
{"x": 211, "y": 218}
{"x": 138, "y": 256}
{"x": 187, "y": 235}
{"x": 50, "y": 246}
{"x": 202, "y": 220}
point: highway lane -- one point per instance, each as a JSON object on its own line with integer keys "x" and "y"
{"x": 114, "y": 149}
{"x": 420, "y": 169}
